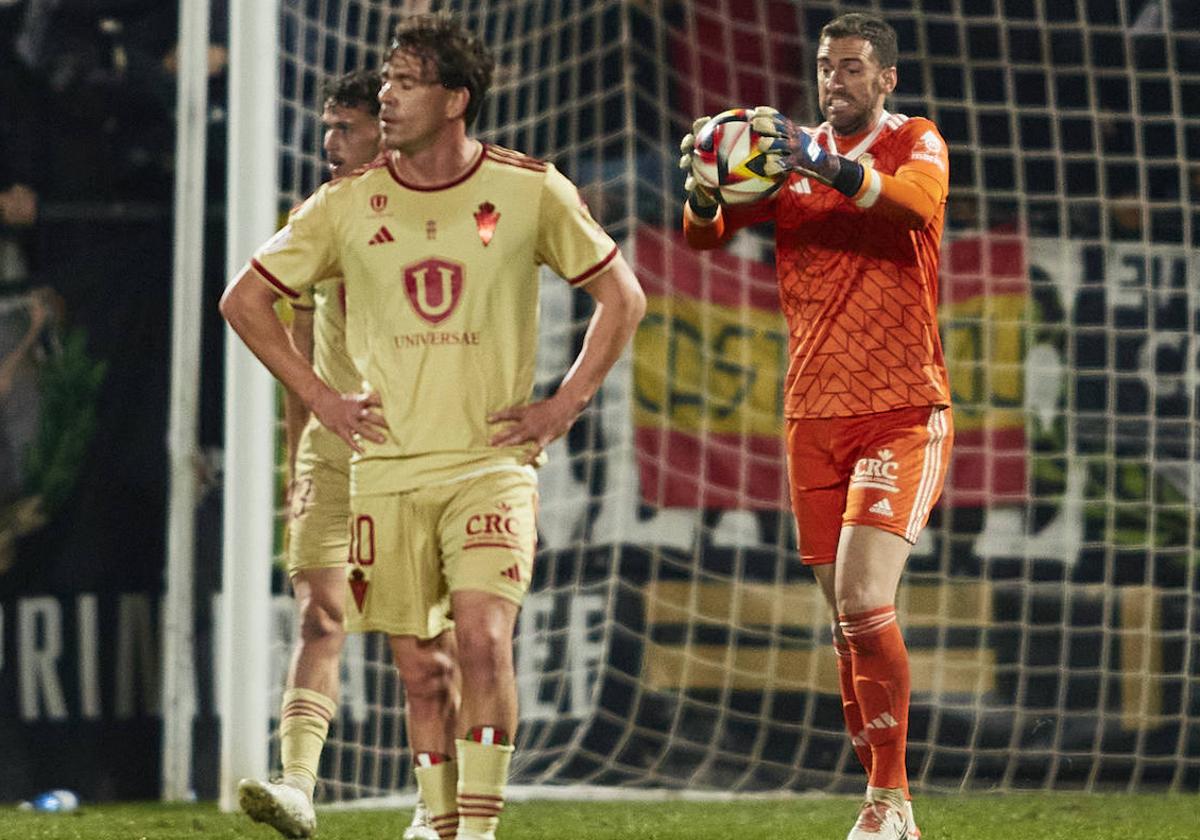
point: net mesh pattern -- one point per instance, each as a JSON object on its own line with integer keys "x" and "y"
{"x": 671, "y": 638}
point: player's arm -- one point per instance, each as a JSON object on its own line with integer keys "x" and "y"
{"x": 295, "y": 412}
{"x": 911, "y": 196}
{"x": 704, "y": 230}
{"x": 248, "y": 304}
{"x": 620, "y": 305}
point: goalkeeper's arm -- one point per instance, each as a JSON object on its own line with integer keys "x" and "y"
{"x": 911, "y": 196}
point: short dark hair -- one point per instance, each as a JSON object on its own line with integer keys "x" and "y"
{"x": 461, "y": 59}
{"x": 358, "y": 89}
{"x": 874, "y": 30}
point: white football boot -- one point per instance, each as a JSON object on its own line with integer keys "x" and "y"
{"x": 914, "y": 833}
{"x": 285, "y": 808}
{"x": 420, "y": 828}
{"x": 881, "y": 818}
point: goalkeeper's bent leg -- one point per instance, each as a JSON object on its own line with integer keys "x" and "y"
{"x": 881, "y": 685}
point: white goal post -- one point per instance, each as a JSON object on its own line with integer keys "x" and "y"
{"x": 243, "y": 657}
{"x": 671, "y": 639}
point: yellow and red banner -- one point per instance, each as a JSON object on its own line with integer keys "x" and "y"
{"x": 709, "y": 363}
{"x": 986, "y": 313}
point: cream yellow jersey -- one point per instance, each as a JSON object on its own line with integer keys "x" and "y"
{"x": 441, "y": 299}
{"x": 331, "y": 361}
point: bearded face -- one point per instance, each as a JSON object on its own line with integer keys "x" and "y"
{"x": 851, "y": 86}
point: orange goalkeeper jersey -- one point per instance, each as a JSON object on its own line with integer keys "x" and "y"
{"x": 858, "y": 276}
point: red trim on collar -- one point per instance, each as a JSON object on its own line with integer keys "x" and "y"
{"x": 391, "y": 167}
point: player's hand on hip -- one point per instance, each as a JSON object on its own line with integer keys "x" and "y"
{"x": 534, "y": 425}
{"x": 352, "y": 417}
{"x": 789, "y": 147}
{"x": 698, "y": 196}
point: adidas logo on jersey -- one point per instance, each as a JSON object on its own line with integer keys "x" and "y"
{"x": 513, "y": 573}
{"x": 883, "y": 508}
{"x": 381, "y": 236}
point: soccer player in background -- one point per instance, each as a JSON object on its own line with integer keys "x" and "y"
{"x": 318, "y": 532}
{"x": 858, "y": 226}
{"x": 439, "y": 243}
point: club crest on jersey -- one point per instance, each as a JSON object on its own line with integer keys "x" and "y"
{"x": 486, "y": 218}
{"x": 433, "y": 288}
{"x": 929, "y": 149}
{"x": 879, "y": 473}
{"x": 358, "y": 587}
{"x": 379, "y": 202}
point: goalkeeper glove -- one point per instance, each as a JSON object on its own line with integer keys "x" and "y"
{"x": 802, "y": 153}
{"x": 700, "y": 198}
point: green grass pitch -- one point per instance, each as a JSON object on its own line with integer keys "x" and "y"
{"x": 990, "y": 817}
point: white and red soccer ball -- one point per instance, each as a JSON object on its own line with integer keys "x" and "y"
{"x": 728, "y": 159}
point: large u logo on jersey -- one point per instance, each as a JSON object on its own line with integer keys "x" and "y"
{"x": 434, "y": 287}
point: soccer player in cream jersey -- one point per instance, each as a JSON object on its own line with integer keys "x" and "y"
{"x": 858, "y": 226}
{"x": 439, "y": 243}
{"x": 318, "y": 536}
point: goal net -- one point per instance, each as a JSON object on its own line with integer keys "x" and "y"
{"x": 671, "y": 638}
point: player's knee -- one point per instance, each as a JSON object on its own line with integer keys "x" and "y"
{"x": 852, "y": 603}
{"x": 855, "y": 597}
{"x": 427, "y": 674}
{"x": 321, "y": 624}
{"x": 483, "y": 650}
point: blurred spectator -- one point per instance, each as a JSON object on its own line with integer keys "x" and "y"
{"x": 95, "y": 69}
{"x": 25, "y": 314}
{"x": 20, "y": 130}
{"x": 23, "y": 322}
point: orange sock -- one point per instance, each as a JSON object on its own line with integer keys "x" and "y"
{"x": 881, "y": 685}
{"x": 851, "y": 713}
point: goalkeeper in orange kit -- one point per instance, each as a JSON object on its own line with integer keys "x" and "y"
{"x": 858, "y": 226}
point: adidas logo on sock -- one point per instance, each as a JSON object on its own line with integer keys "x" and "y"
{"x": 883, "y": 507}
{"x": 884, "y": 721}
{"x": 513, "y": 573}
{"x": 381, "y": 236}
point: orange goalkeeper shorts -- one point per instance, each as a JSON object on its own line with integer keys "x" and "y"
{"x": 885, "y": 470}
